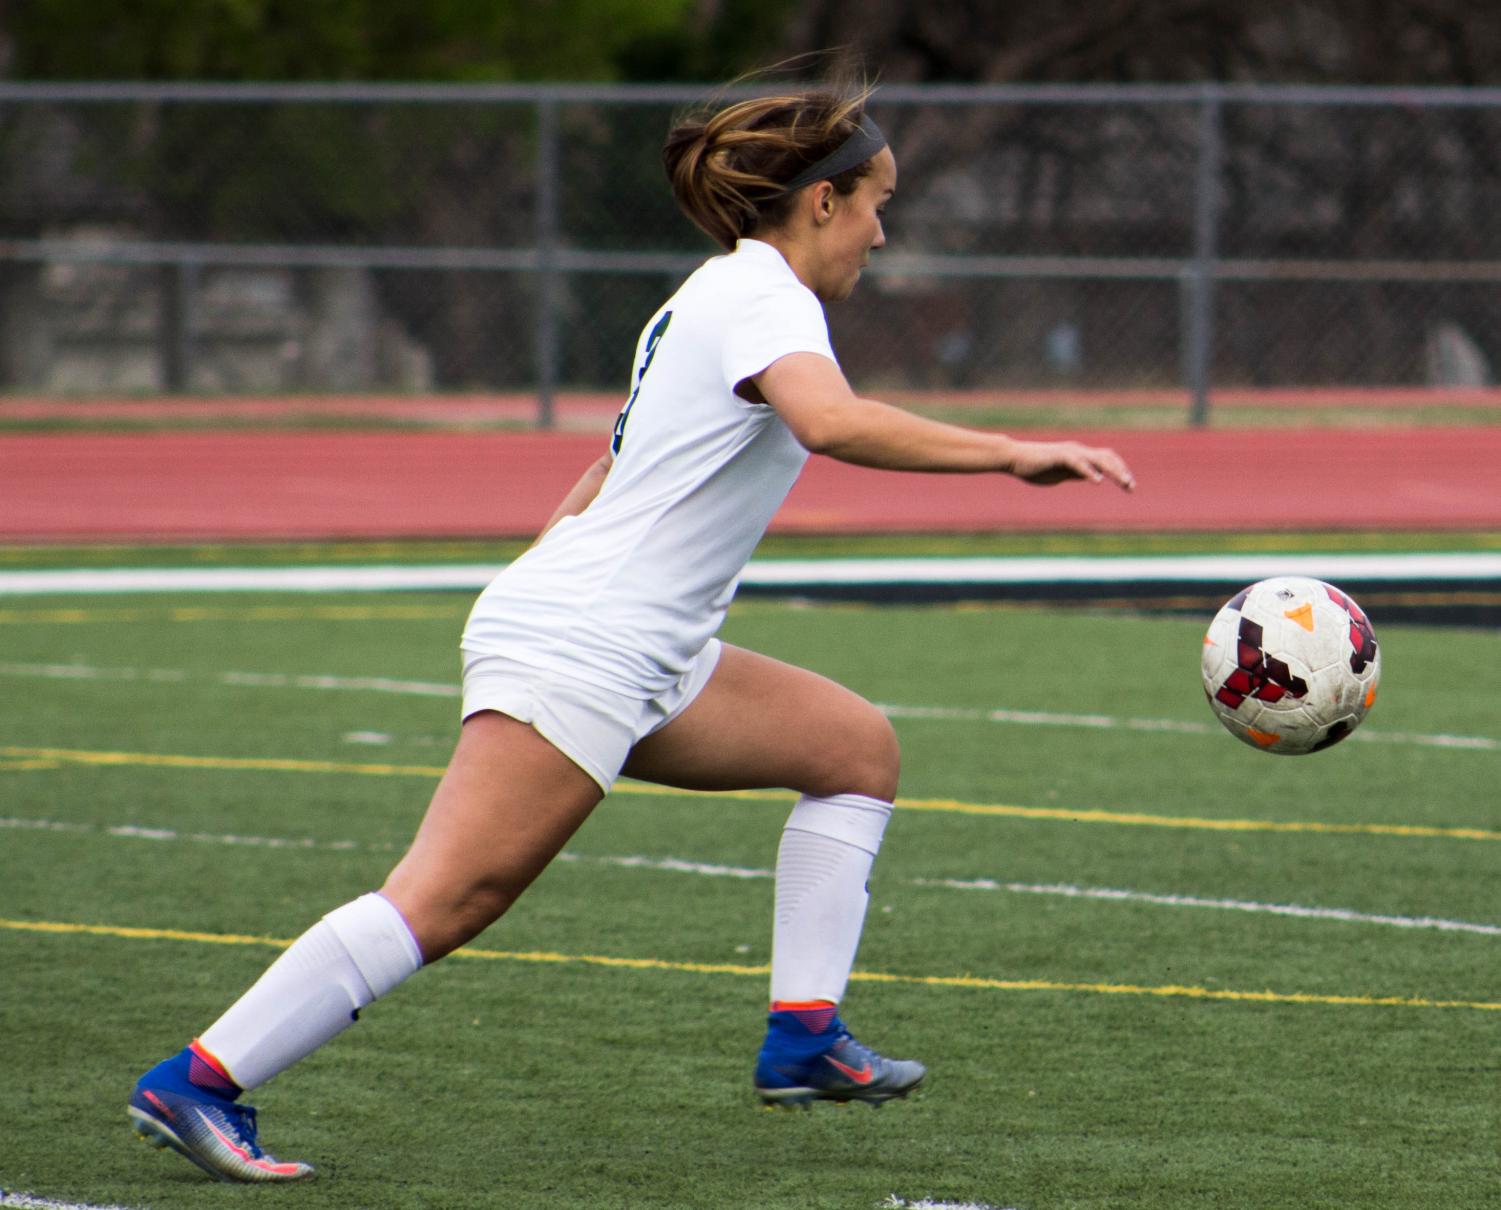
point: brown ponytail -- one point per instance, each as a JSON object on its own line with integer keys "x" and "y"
{"x": 729, "y": 168}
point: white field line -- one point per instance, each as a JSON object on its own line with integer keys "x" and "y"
{"x": 471, "y": 577}
{"x": 244, "y": 680}
{"x": 1344, "y": 915}
{"x": 900, "y": 1203}
{"x": 1106, "y": 722}
{"x": 1022, "y": 718}
{"x": 357, "y": 684}
{"x": 790, "y": 573}
{"x": 29, "y": 1201}
{"x": 137, "y": 832}
{"x": 678, "y": 865}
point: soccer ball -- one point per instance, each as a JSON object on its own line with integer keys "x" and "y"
{"x": 1291, "y": 665}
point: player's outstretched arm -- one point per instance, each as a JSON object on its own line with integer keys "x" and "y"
{"x": 581, "y": 494}
{"x": 812, "y": 396}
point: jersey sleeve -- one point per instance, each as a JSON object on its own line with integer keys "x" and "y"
{"x": 776, "y": 320}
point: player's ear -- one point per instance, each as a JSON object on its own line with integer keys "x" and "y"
{"x": 823, "y": 202}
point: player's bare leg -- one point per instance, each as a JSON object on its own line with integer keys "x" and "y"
{"x": 507, "y": 804}
{"x": 760, "y": 722}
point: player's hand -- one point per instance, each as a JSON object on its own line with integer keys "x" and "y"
{"x": 1045, "y": 463}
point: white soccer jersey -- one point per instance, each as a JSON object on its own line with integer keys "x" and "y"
{"x": 627, "y": 592}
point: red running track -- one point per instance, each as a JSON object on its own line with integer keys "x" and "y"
{"x": 262, "y": 485}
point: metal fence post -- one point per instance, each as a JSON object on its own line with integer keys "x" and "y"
{"x": 1198, "y": 278}
{"x": 179, "y": 286}
{"x": 548, "y": 157}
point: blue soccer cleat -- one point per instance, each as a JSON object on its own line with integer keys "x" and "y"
{"x": 796, "y": 1070}
{"x": 216, "y": 1133}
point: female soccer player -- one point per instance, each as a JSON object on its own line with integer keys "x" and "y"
{"x": 594, "y": 652}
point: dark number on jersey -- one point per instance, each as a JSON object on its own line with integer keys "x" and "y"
{"x": 651, "y": 351}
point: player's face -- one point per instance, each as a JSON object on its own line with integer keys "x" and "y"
{"x": 854, "y": 229}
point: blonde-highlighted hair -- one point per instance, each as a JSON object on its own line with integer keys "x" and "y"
{"x": 729, "y": 168}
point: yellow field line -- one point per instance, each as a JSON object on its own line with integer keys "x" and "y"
{"x": 968, "y": 982}
{"x": 1140, "y": 819}
{"x": 66, "y": 615}
{"x": 45, "y": 757}
{"x": 238, "y": 764}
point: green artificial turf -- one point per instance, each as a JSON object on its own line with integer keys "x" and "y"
{"x": 1051, "y": 925}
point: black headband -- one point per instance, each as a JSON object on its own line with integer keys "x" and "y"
{"x": 855, "y": 150}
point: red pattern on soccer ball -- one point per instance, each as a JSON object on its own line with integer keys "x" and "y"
{"x": 1362, "y": 637}
{"x": 1258, "y": 675}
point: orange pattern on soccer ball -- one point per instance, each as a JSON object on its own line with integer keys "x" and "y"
{"x": 1264, "y": 738}
{"x": 1302, "y": 615}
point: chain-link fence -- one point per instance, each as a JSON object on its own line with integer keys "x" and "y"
{"x": 197, "y": 238}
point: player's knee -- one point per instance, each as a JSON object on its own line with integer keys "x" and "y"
{"x": 444, "y": 918}
{"x": 482, "y": 903}
{"x": 865, "y": 759}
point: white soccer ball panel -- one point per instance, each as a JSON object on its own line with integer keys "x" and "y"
{"x": 1290, "y": 665}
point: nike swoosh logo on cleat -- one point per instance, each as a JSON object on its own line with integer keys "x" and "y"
{"x": 239, "y": 1149}
{"x": 863, "y": 1075}
{"x": 245, "y": 1154}
{"x": 160, "y": 1105}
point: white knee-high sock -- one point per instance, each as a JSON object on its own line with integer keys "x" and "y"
{"x": 827, "y": 849}
{"x": 312, "y": 992}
